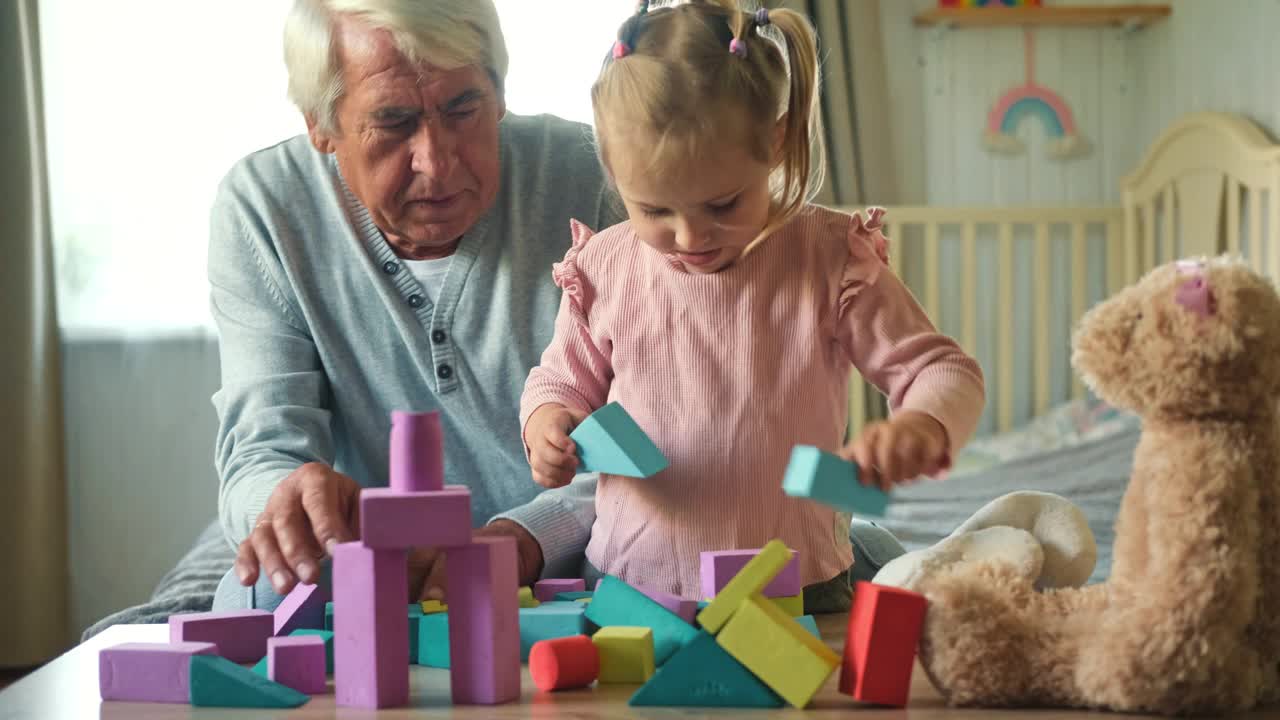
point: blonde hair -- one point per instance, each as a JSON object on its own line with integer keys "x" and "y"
{"x": 675, "y": 78}
{"x": 445, "y": 33}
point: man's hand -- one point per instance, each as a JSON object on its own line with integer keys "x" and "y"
{"x": 426, "y": 566}
{"x": 311, "y": 510}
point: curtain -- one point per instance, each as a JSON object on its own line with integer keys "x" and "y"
{"x": 34, "y": 616}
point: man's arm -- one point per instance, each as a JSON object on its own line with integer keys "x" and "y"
{"x": 560, "y": 520}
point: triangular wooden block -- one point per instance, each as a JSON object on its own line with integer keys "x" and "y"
{"x": 218, "y": 682}
{"x": 610, "y": 441}
{"x": 702, "y": 674}
{"x": 829, "y": 479}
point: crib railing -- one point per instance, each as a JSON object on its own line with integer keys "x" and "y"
{"x": 936, "y": 228}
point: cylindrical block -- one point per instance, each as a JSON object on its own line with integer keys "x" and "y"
{"x": 564, "y": 663}
{"x": 417, "y": 452}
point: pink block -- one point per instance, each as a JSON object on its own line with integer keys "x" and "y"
{"x": 149, "y": 672}
{"x": 241, "y": 635}
{"x": 298, "y": 662}
{"x": 393, "y": 520}
{"x": 303, "y": 607}
{"x": 686, "y": 609}
{"x": 484, "y": 621}
{"x": 371, "y": 627}
{"x": 545, "y": 590}
{"x": 719, "y": 567}
{"x": 417, "y": 452}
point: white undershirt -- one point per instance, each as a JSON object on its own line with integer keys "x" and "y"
{"x": 430, "y": 274}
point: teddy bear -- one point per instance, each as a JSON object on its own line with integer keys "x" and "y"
{"x": 1189, "y": 620}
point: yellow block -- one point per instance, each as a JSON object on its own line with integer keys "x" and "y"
{"x": 780, "y": 652}
{"x": 792, "y": 605}
{"x": 527, "y": 600}
{"x": 584, "y": 601}
{"x": 431, "y": 607}
{"x": 626, "y": 654}
{"x": 750, "y": 580}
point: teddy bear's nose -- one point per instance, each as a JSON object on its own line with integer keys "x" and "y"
{"x": 1196, "y": 296}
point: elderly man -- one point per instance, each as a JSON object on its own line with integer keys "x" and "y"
{"x": 398, "y": 256}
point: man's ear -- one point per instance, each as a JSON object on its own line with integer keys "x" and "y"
{"x": 320, "y": 139}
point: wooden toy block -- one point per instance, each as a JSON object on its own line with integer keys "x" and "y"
{"x": 218, "y": 682}
{"x": 759, "y": 571}
{"x": 880, "y": 649}
{"x": 681, "y": 608}
{"x": 415, "y": 614}
{"x": 395, "y": 520}
{"x": 433, "y": 640}
{"x": 831, "y": 480}
{"x": 548, "y": 621}
{"x": 810, "y": 623}
{"x": 626, "y": 654}
{"x": 793, "y": 606}
{"x": 430, "y": 607}
{"x": 717, "y": 568}
{"x": 371, "y": 626}
{"x": 617, "y": 603}
{"x": 610, "y": 441}
{"x": 303, "y": 607}
{"x": 545, "y": 590}
{"x": 328, "y": 616}
{"x": 327, "y": 638}
{"x": 564, "y": 663}
{"x": 580, "y": 595}
{"x": 702, "y": 674}
{"x": 149, "y": 672}
{"x": 417, "y": 452}
{"x": 583, "y": 601}
{"x": 526, "y": 598}
{"x": 260, "y": 668}
{"x": 297, "y": 662}
{"x": 778, "y": 650}
{"x": 484, "y": 624}
{"x": 241, "y": 635}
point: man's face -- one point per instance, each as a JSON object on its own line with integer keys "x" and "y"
{"x": 417, "y": 145}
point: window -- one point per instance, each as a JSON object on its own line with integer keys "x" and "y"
{"x": 149, "y": 102}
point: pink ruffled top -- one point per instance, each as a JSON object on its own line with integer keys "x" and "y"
{"x": 726, "y": 372}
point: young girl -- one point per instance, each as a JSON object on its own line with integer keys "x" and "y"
{"x": 726, "y": 313}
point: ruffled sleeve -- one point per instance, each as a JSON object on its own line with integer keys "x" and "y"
{"x": 568, "y": 277}
{"x": 868, "y": 256}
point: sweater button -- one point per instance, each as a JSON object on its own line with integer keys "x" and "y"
{"x": 415, "y": 301}
{"x": 444, "y": 372}
{"x": 437, "y": 336}
{"x": 391, "y": 267}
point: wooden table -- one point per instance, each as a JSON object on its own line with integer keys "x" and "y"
{"x": 68, "y": 688}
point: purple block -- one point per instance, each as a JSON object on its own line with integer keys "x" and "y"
{"x": 149, "y": 672}
{"x": 719, "y": 567}
{"x": 302, "y": 608}
{"x": 417, "y": 452}
{"x": 546, "y": 590}
{"x": 370, "y": 626}
{"x": 394, "y": 520}
{"x": 484, "y": 621}
{"x": 686, "y": 609}
{"x": 241, "y": 635}
{"x": 297, "y": 662}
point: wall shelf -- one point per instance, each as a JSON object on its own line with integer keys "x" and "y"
{"x": 1130, "y": 17}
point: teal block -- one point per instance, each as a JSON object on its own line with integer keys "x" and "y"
{"x": 828, "y": 479}
{"x": 572, "y": 596}
{"x": 809, "y": 623}
{"x": 328, "y": 616}
{"x": 218, "y": 682}
{"x": 702, "y": 604}
{"x": 415, "y": 616}
{"x": 548, "y": 621}
{"x": 610, "y": 441}
{"x": 327, "y": 636}
{"x": 617, "y": 603}
{"x": 433, "y": 640}
{"x": 261, "y": 667}
{"x": 702, "y": 674}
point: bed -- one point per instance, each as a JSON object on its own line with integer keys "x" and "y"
{"x": 1209, "y": 184}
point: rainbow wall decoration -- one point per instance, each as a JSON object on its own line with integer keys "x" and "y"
{"x": 1036, "y": 101}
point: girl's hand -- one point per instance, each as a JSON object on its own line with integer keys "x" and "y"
{"x": 552, "y": 455}
{"x": 905, "y": 447}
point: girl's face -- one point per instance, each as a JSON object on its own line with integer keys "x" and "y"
{"x": 705, "y": 213}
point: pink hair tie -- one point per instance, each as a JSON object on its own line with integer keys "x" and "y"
{"x": 737, "y": 47}
{"x": 620, "y": 50}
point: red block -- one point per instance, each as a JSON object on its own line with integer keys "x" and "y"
{"x": 564, "y": 663}
{"x": 880, "y": 650}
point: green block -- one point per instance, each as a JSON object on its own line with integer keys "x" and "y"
{"x": 261, "y": 667}
{"x": 702, "y": 674}
{"x": 548, "y": 621}
{"x": 617, "y": 603}
{"x": 433, "y": 640}
{"x": 218, "y": 682}
{"x": 610, "y": 441}
{"x": 574, "y": 596}
{"x": 327, "y": 636}
{"x": 828, "y": 479}
{"x": 328, "y": 616}
{"x": 809, "y": 623}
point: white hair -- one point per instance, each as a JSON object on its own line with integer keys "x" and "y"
{"x": 446, "y": 33}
